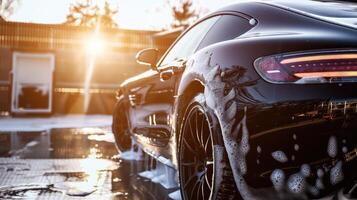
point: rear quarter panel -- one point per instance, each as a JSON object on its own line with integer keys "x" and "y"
{"x": 268, "y": 127}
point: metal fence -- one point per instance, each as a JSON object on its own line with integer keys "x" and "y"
{"x": 53, "y": 37}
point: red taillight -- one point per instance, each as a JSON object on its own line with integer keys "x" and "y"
{"x": 309, "y": 68}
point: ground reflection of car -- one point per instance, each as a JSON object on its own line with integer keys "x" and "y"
{"x": 256, "y": 100}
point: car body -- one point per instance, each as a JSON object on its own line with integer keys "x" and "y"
{"x": 284, "y": 136}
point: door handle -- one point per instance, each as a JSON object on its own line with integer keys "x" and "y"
{"x": 166, "y": 75}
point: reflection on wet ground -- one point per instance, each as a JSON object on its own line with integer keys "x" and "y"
{"x": 70, "y": 163}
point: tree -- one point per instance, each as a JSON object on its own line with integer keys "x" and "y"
{"x": 106, "y": 18}
{"x": 6, "y": 8}
{"x": 183, "y": 13}
{"x": 85, "y": 13}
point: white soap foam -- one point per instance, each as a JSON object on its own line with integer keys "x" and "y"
{"x": 175, "y": 195}
{"x": 280, "y": 156}
{"x": 102, "y": 137}
{"x": 162, "y": 174}
{"x": 296, "y": 183}
{"x": 305, "y": 170}
{"x": 131, "y": 155}
{"x": 336, "y": 174}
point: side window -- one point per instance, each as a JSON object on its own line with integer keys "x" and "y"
{"x": 188, "y": 44}
{"x": 227, "y": 27}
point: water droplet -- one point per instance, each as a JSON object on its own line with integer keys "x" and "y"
{"x": 332, "y": 147}
{"x": 294, "y": 137}
{"x": 292, "y": 157}
{"x": 259, "y": 149}
{"x": 296, "y": 147}
{"x": 279, "y": 156}
{"x": 305, "y": 170}
{"x": 344, "y": 149}
{"x": 277, "y": 177}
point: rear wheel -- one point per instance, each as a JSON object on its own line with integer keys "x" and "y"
{"x": 120, "y": 128}
{"x": 196, "y": 156}
{"x": 198, "y": 160}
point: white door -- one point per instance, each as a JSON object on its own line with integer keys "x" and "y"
{"x": 32, "y": 83}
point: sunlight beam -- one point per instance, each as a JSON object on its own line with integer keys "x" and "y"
{"x": 93, "y": 48}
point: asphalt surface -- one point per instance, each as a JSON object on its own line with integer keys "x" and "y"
{"x": 64, "y": 163}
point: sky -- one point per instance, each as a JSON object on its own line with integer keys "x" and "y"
{"x": 132, "y": 14}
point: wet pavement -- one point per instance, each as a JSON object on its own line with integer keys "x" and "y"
{"x": 78, "y": 163}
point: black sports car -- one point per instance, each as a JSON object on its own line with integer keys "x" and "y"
{"x": 257, "y": 100}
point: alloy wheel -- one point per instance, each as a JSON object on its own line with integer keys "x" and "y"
{"x": 196, "y": 156}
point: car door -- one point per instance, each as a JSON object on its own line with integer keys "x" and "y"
{"x": 152, "y": 100}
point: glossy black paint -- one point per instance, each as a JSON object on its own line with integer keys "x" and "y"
{"x": 296, "y": 119}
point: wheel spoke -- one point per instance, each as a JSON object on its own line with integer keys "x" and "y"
{"x": 189, "y": 146}
{"x": 197, "y": 131}
{"x": 192, "y": 134}
{"x": 193, "y": 189}
{"x": 188, "y": 163}
{"x": 202, "y": 129}
{"x": 203, "y": 189}
{"x": 206, "y": 144}
{"x": 189, "y": 180}
{"x": 208, "y": 182}
{"x": 202, "y": 134}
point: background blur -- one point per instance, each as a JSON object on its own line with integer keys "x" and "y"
{"x": 61, "y": 62}
{"x": 69, "y": 56}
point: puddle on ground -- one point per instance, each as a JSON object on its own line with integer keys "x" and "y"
{"x": 57, "y": 143}
{"x": 70, "y": 163}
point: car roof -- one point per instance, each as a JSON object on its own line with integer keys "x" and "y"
{"x": 337, "y": 9}
{"x": 338, "y": 12}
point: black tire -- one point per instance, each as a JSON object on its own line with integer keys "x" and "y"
{"x": 197, "y": 160}
{"x": 120, "y": 128}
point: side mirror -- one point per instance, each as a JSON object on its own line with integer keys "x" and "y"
{"x": 147, "y": 57}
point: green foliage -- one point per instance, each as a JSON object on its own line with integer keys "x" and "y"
{"x": 85, "y": 13}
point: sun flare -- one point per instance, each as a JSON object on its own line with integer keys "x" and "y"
{"x": 94, "y": 45}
